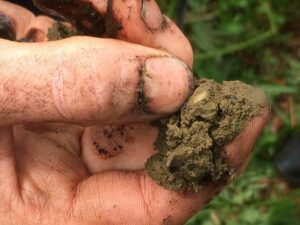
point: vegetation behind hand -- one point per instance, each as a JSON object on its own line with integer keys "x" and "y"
{"x": 257, "y": 42}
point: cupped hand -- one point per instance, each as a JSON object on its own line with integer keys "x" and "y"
{"x": 75, "y": 113}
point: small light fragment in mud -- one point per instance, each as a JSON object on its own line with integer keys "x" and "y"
{"x": 191, "y": 142}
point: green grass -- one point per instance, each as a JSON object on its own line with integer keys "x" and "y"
{"x": 258, "y": 42}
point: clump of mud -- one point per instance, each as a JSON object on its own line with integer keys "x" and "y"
{"x": 60, "y": 31}
{"x": 190, "y": 142}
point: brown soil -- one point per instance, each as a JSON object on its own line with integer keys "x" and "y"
{"x": 191, "y": 142}
{"x": 60, "y": 31}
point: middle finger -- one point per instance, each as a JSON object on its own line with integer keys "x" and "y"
{"x": 137, "y": 21}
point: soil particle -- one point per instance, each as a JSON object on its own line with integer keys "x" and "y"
{"x": 167, "y": 221}
{"x": 190, "y": 142}
{"x": 164, "y": 24}
{"x": 142, "y": 99}
{"x": 60, "y": 31}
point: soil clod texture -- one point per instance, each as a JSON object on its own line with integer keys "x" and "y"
{"x": 60, "y": 31}
{"x": 191, "y": 142}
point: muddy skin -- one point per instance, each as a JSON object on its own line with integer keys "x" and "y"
{"x": 142, "y": 99}
{"x": 191, "y": 142}
{"x": 60, "y": 31}
{"x": 117, "y": 137}
{"x": 164, "y": 24}
{"x": 88, "y": 20}
{"x": 82, "y": 14}
{"x": 112, "y": 25}
{"x": 7, "y": 30}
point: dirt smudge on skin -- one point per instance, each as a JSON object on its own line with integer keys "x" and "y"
{"x": 82, "y": 14}
{"x": 112, "y": 24}
{"x": 168, "y": 221}
{"x": 7, "y": 30}
{"x": 191, "y": 142}
{"x": 142, "y": 100}
{"x": 60, "y": 31}
{"x": 114, "y": 140}
{"x": 164, "y": 24}
{"x": 87, "y": 19}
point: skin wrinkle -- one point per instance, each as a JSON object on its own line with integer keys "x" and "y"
{"x": 141, "y": 181}
{"x": 74, "y": 203}
{"x": 120, "y": 86}
{"x": 93, "y": 206}
{"x": 103, "y": 99}
{"x": 9, "y": 96}
{"x": 58, "y": 94}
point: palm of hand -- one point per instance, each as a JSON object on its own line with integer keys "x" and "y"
{"x": 48, "y": 170}
{"x": 47, "y": 182}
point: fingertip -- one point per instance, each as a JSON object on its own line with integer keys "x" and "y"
{"x": 167, "y": 83}
{"x": 180, "y": 46}
{"x": 151, "y": 15}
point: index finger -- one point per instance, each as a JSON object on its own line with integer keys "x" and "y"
{"x": 86, "y": 80}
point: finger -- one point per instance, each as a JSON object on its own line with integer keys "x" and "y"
{"x": 147, "y": 203}
{"x": 18, "y": 17}
{"x": 133, "y": 198}
{"x": 8, "y": 173}
{"x": 87, "y": 80}
{"x": 118, "y": 147}
{"x": 17, "y": 23}
{"x": 135, "y": 21}
{"x": 38, "y": 29}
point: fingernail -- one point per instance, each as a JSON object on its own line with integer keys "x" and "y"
{"x": 7, "y": 30}
{"x": 167, "y": 84}
{"x": 152, "y": 15}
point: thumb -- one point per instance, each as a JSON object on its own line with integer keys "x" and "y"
{"x": 87, "y": 80}
{"x": 123, "y": 197}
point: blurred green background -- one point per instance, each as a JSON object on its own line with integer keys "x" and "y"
{"x": 258, "y": 42}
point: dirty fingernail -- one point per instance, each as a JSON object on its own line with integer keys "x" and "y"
{"x": 167, "y": 84}
{"x": 7, "y": 30}
{"x": 151, "y": 14}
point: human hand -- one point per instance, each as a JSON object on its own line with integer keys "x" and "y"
{"x": 54, "y": 172}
